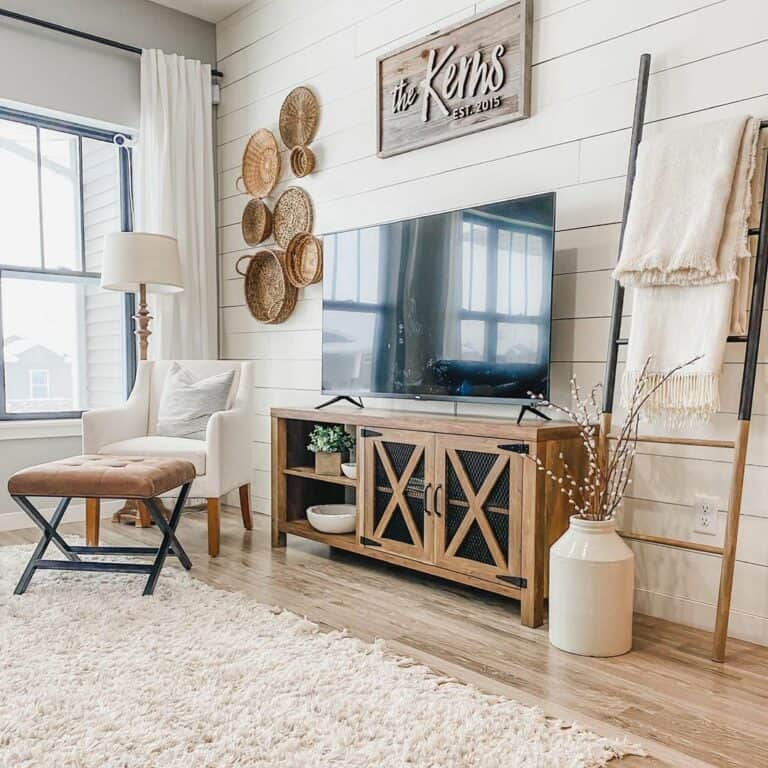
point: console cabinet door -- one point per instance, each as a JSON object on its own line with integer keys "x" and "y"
{"x": 478, "y": 507}
{"x": 397, "y": 478}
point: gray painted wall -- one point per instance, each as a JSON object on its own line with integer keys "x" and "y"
{"x": 58, "y": 72}
{"x": 17, "y": 454}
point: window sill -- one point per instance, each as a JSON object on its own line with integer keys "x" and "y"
{"x": 41, "y": 428}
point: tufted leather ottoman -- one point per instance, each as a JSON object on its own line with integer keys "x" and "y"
{"x": 103, "y": 477}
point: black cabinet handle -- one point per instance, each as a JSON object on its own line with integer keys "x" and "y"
{"x": 426, "y": 499}
{"x": 438, "y": 488}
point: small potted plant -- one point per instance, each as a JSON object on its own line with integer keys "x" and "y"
{"x": 328, "y": 443}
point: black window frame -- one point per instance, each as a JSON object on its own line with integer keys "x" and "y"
{"x": 118, "y": 138}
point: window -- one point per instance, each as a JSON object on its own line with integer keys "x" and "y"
{"x": 39, "y": 384}
{"x": 65, "y": 345}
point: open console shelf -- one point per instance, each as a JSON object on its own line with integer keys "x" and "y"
{"x": 309, "y": 472}
{"x": 455, "y": 497}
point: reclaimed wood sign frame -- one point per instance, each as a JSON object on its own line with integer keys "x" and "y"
{"x": 471, "y": 76}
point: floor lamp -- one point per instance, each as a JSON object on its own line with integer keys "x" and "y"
{"x": 140, "y": 262}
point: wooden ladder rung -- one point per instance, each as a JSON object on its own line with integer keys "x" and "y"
{"x": 739, "y": 338}
{"x": 697, "y": 441}
{"x": 677, "y": 543}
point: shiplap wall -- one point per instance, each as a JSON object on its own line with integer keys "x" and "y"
{"x": 708, "y": 62}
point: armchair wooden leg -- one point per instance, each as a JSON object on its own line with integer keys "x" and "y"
{"x": 245, "y": 506}
{"x": 143, "y": 518}
{"x": 214, "y": 527}
{"x": 92, "y": 520}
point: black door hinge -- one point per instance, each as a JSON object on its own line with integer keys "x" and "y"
{"x": 515, "y": 581}
{"x": 369, "y": 433}
{"x": 366, "y": 542}
{"x": 514, "y": 447}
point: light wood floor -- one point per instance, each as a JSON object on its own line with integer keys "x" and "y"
{"x": 686, "y": 710}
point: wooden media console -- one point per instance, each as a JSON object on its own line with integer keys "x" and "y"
{"x": 452, "y": 496}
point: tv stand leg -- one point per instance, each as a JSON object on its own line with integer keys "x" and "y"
{"x": 535, "y": 411}
{"x": 339, "y": 398}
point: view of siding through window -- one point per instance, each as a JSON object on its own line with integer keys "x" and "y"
{"x": 63, "y": 347}
{"x": 104, "y": 329}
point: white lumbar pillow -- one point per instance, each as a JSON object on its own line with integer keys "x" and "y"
{"x": 187, "y": 403}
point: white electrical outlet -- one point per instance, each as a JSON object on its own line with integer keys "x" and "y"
{"x": 705, "y": 515}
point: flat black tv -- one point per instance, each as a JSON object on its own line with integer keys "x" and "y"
{"x": 451, "y": 306}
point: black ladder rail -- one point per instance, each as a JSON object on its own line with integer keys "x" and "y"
{"x": 641, "y": 96}
{"x": 752, "y": 340}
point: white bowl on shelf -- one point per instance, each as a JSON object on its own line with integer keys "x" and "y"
{"x": 350, "y": 470}
{"x": 333, "y": 518}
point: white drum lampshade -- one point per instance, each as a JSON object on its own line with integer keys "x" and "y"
{"x": 140, "y": 261}
{"x": 133, "y": 259}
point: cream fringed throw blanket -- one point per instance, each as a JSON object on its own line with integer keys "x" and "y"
{"x": 685, "y": 248}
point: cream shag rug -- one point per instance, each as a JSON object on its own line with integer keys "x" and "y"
{"x": 94, "y": 675}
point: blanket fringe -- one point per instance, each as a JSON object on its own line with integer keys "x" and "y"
{"x": 649, "y": 277}
{"x": 685, "y": 399}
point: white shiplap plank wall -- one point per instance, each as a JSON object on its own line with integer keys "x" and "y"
{"x": 708, "y": 62}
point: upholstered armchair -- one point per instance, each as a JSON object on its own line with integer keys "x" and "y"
{"x": 222, "y": 461}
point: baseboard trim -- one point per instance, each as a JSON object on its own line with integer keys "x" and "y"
{"x": 681, "y": 610}
{"x": 15, "y": 521}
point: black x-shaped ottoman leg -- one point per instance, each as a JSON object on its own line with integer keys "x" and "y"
{"x": 169, "y": 545}
{"x": 49, "y": 535}
{"x": 169, "y": 542}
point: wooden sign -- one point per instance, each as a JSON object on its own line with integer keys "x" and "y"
{"x": 472, "y": 76}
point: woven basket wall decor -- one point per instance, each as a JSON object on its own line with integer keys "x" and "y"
{"x": 256, "y": 222}
{"x": 292, "y": 215}
{"x": 269, "y": 294}
{"x": 304, "y": 260}
{"x": 299, "y": 117}
{"x": 302, "y": 161}
{"x": 261, "y": 164}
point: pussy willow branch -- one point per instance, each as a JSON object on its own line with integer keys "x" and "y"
{"x": 600, "y": 492}
{"x": 632, "y": 421}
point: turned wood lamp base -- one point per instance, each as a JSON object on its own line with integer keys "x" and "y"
{"x": 140, "y": 262}
{"x": 135, "y": 513}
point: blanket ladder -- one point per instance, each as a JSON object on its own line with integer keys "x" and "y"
{"x": 727, "y": 552}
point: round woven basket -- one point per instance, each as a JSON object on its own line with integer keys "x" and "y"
{"x": 302, "y": 161}
{"x": 292, "y": 214}
{"x": 256, "y": 222}
{"x": 299, "y": 117}
{"x": 304, "y": 260}
{"x": 261, "y": 164}
{"x": 269, "y": 294}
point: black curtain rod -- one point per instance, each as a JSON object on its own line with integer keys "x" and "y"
{"x": 77, "y": 33}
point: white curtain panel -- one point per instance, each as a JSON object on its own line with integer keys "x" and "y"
{"x": 174, "y": 195}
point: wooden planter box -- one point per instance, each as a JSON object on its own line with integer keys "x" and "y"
{"x": 328, "y": 463}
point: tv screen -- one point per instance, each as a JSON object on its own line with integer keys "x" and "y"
{"x": 449, "y": 306}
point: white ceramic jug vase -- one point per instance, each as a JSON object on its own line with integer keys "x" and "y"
{"x": 591, "y": 590}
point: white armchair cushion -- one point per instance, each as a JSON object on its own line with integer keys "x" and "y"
{"x": 222, "y": 461}
{"x": 158, "y": 445}
{"x": 187, "y": 403}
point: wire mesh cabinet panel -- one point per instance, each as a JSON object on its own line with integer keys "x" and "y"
{"x": 397, "y": 477}
{"x": 478, "y": 507}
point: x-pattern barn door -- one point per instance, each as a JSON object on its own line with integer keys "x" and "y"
{"x": 478, "y": 507}
{"x": 399, "y": 465}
